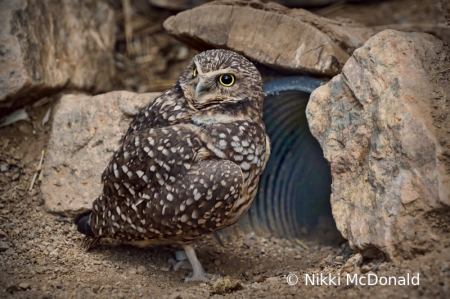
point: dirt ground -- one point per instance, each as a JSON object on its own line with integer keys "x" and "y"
{"x": 40, "y": 256}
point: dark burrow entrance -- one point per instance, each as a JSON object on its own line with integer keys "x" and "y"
{"x": 293, "y": 200}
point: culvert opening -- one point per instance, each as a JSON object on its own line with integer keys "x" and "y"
{"x": 293, "y": 200}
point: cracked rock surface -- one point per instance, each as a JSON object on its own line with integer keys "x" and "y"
{"x": 46, "y": 46}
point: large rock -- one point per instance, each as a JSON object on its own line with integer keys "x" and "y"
{"x": 49, "y": 45}
{"x": 384, "y": 126}
{"x": 292, "y": 40}
{"x": 86, "y": 131}
{"x": 187, "y": 4}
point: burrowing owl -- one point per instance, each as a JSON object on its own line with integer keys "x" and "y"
{"x": 190, "y": 162}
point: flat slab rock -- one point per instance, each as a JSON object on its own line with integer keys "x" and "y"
{"x": 49, "y": 45}
{"x": 188, "y": 4}
{"x": 86, "y": 131}
{"x": 291, "y": 40}
{"x": 384, "y": 126}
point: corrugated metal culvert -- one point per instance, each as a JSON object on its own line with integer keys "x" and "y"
{"x": 295, "y": 188}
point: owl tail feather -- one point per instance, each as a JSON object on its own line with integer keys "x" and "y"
{"x": 89, "y": 242}
{"x": 83, "y": 224}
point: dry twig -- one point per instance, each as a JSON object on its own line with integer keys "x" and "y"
{"x": 38, "y": 169}
{"x": 128, "y": 25}
{"x": 302, "y": 244}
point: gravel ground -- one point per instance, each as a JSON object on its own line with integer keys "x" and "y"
{"x": 40, "y": 256}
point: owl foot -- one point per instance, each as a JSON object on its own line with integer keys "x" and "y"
{"x": 198, "y": 273}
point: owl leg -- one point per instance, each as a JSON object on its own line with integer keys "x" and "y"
{"x": 186, "y": 265}
{"x": 198, "y": 273}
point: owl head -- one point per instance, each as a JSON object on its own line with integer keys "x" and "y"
{"x": 223, "y": 86}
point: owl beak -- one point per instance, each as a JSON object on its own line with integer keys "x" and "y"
{"x": 200, "y": 88}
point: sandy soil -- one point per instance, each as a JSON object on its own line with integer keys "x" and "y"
{"x": 40, "y": 256}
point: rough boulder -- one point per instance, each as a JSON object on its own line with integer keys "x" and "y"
{"x": 384, "y": 126}
{"x": 47, "y": 46}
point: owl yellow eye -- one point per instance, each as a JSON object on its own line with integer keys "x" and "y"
{"x": 194, "y": 72}
{"x": 226, "y": 79}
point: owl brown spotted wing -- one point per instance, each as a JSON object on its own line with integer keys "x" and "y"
{"x": 155, "y": 187}
{"x": 202, "y": 202}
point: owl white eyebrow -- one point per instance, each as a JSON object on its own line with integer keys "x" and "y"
{"x": 218, "y": 72}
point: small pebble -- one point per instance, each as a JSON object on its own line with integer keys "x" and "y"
{"x": 3, "y": 246}
{"x": 259, "y": 278}
{"x": 141, "y": 270}
{"x": 366, "y": 268}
